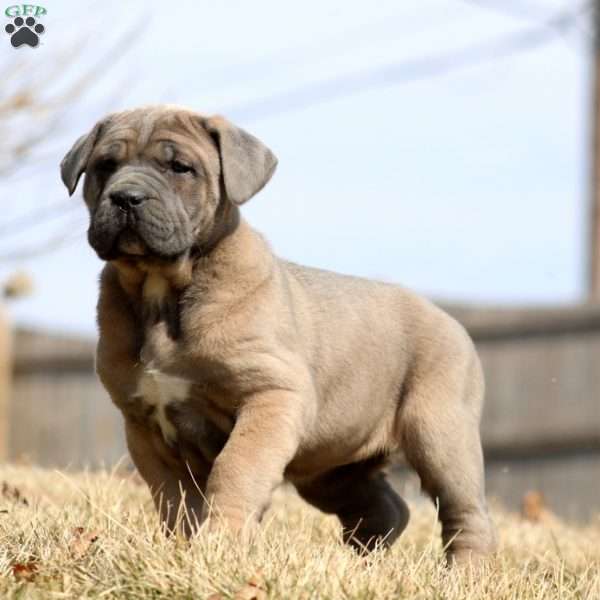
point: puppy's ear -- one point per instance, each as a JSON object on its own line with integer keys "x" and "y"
{"x": 76, "y": 160}
{"x": 246, "y": 163}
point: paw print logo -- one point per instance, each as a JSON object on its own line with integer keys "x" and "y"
{"x": 24, "y": 32}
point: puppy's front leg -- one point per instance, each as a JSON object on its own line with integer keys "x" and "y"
{"x": 176, "y": 487}
{"x": 263, "y": 442}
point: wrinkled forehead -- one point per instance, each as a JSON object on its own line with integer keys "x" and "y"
{"x": 149, "y": 132}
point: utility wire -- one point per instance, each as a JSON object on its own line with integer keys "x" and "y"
{"x": 403, "y": 72}
{"x": 336, "y": 44}
{"x": 519, "y": 10}
{"x": 72, "y": 232}
{"x": 37, "y": 217}
{"x": 509, "y": 8}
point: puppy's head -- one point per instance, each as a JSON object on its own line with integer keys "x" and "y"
{"x": 156, "y": 179}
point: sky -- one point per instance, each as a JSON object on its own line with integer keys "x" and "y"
{"x": 469, "y": 185}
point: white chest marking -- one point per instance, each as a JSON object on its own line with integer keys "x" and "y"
{"x": 160, "y": 390}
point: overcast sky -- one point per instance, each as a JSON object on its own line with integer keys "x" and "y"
{"x": 466, "y": 186}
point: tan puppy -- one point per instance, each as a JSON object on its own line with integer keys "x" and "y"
{"x": 235, "y": 370}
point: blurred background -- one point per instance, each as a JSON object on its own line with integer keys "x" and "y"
{"x": 448, "y": 145}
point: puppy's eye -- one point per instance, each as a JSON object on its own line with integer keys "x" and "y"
{"x": 106, "y": 166}
{"x": 179, "y": 167}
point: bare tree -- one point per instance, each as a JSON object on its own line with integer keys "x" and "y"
{"x": 36, "y": 98}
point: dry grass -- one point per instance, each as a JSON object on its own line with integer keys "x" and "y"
{"x": 96, "y": 536}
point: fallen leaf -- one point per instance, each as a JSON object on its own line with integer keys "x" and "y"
{"x": 25, "y": 571}
{"x": 82, "y": 540}
{"x": 13, "y": 494}
{"x": 253, "y": 590}
{"x": 534, "y": 508}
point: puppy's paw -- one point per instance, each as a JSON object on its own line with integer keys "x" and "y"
{"x": 232, "y": 523}
{"x": 472, "y": 557}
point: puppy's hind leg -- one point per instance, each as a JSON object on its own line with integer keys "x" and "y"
{"x": 370, "y": 511}
{"x": 439, "y": 425}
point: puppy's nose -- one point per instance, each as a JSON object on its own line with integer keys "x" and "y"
{"x": 127, "y": 199}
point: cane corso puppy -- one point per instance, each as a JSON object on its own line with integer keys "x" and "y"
{"x": 236, "y": 370}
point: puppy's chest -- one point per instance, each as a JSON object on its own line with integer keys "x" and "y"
{"x": 172, "y": 403}
{"x": 180, "y": 409}
{"x": 159, "y": 392}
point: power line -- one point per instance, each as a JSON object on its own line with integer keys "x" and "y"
{"x": 510, "y": 8}
{"x": 37, "y": 217}
{"x": 520, "y": 10}
{"x": 67, "y": 237}
{"x": 336, "y": 44}
{"x": 404, "y": 72}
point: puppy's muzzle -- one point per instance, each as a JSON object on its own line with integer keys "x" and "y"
{"x": 139, "y": 214}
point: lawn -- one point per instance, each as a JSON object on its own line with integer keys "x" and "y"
{"x": 95, "y": 535}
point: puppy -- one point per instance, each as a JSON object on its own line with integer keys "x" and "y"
{"x": 236, "y": 370}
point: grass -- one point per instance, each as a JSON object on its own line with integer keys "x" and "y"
{"x": 95, "y": 535}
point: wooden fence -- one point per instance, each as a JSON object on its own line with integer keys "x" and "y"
{"x": 541, "y": 425}
{"x": 60, "y": 415}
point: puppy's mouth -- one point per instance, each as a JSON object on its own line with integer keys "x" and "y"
{"x": 131, "y": 244}
{"x": 112, "y": 243}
